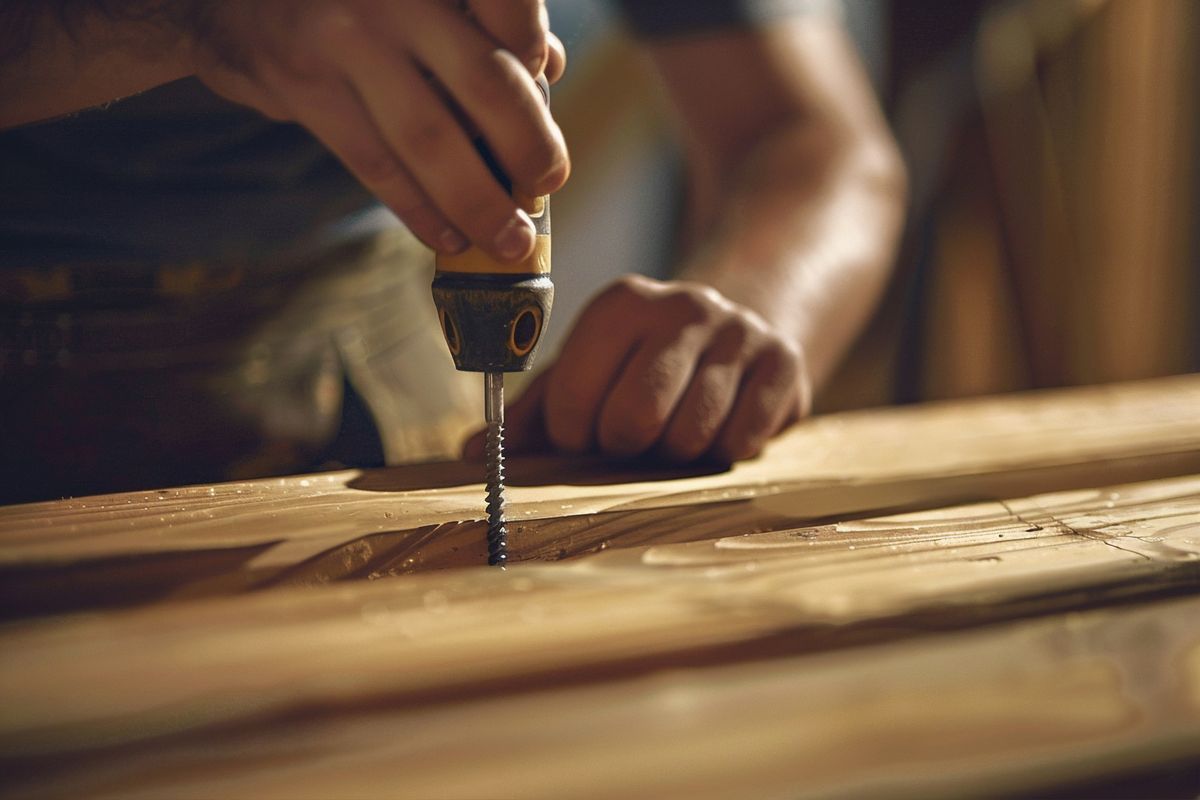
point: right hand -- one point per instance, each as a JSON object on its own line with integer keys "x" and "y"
{"x": 386, "y": 86}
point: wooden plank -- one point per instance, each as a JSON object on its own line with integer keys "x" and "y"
{"x": 838, "y": 574}
{"x": 1086, "y": 695}
{"x": 694, "y": 668}
{"x": 220, "y": 539}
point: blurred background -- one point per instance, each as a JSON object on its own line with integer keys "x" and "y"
{"x": 1052, "y": 236}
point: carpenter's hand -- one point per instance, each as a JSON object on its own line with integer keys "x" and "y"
{"x": 388, "y": 84}
{"x": 672, "y": 369}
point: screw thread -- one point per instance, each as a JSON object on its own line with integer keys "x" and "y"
{"x": 497, "y": 535}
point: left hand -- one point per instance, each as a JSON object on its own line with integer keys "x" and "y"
{"x": 669, "y": 369}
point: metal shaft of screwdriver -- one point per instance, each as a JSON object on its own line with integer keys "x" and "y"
{"x": 493, "y": 408}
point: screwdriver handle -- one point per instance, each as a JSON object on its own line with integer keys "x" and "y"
{"x": 492, "y": 313}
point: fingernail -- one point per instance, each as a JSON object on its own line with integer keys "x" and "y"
{"x": 515, "y": 238}
{"x": 452, "y": 241}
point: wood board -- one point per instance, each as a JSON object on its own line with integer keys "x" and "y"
{"x": 127, "y": 549}
{"x": 813, "y": 661}
{"x": 1093, "y": 694}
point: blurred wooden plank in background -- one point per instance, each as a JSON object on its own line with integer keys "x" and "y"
{"x": 1091, "y": 111}
{"x": 1052, "y": 239}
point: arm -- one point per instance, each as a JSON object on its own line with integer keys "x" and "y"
{"x": 386, "y": 86}
{"x": 798, "y": 188}
{"x": 52, "y": 64}
{"x": 795, "y": 209}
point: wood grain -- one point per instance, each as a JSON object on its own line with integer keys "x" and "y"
{"x": 1091, "y": 694}
{"x": 797, "y": 662}
{"x": 127, "y": 549}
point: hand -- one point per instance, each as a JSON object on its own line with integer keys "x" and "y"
{"x": 389, "y": 87}
{"x": 672, "y": 369}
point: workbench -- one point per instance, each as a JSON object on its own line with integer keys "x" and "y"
{"x": 996, "y": 597}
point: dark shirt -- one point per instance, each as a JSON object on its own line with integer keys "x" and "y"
{"x": 177, "y": 175}
{"x": 162, "y": 271}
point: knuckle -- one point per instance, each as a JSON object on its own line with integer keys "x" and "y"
{"x": 731, "y": 338}
{"x": 324, "y": 34}
{"x": 421, "y": 219}
{"x": 778, "y": 355}
{"x": 621, "y": 291}
{"x": 541, "y": 160}
{"x": 425, "y": 140}
{"x": 637, "y": 284}
{"x": 528, "y": 38}
{"x": 521, "y": 25}
{"x": 772, "y": 357}
{"x": 528, "y": 164}
{"x": 481, "y": 217}
{"x": 334, "y": 21}
{"x": 688, "y": 307}
{"x": 498, "y": 74}
{"x": 374, "y": 165}
{"x": 707, "y": 294}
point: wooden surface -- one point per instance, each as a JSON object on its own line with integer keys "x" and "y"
{"x": 220, "y": 539}
{"x": 1096, "y": 693}
{"x": 1007, "y": 645}
{"x": 802, "y": 658}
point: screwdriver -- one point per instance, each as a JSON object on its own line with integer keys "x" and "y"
{"x": 492, "y": 315}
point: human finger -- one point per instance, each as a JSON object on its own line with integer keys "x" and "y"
{"x": 334, "y": 114}
{"x": 709, "y": 398}
{"x": 497, "y": 94}
{"x": 766, "y": 398}
{"x": 590, "y": 361}
{"x": 519, "y": 26}
{"x": 427, "y": 138}
{"x": 556, "y": 58}
{"x": 652, "y": 382}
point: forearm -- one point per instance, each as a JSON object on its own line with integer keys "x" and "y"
{"x": 797, "y": 188}
{"x": 61, "y": 56}
{"x": 804, "y": 233}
